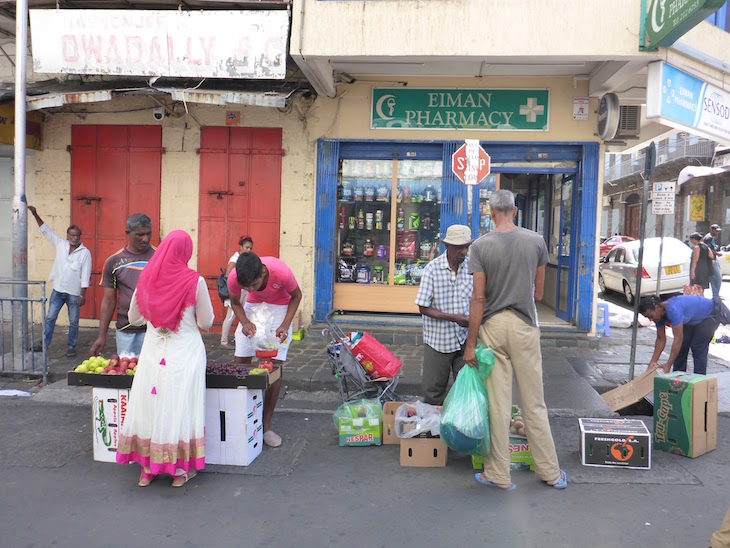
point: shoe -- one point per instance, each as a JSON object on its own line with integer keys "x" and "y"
{"x": 272, "y": 439}
{"x": 71, "y": 353}
{"x": 479, "y": 479}
{"x": 182, "y": 479}
{"x": 562, "y": 482}
{"x": 145, "y": 479}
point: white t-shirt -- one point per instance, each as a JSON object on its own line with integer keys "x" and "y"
{"x": 234, "y": 259}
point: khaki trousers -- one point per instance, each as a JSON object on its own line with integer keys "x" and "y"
{"x": 516, "y": 347}
{"x": 721, "y": 537}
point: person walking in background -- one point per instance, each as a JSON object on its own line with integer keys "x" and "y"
{"x": 712, "y": 240}
{"x": 443, "y": 300}
{"x": 119, "y": 279}
{"x": 702, "y": 257}
{"x": 164, "y": 431}
{"x": 721, "y": 537}
{"x": 693, "y": 324}
{"x": 70, "y": 276}
{"x": 245, "y": 245}
{"x": 270, "y": 281}
{"x": 508, "y": 267}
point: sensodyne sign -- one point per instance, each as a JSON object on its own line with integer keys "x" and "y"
{"x": 457, "y": 109}
{"x": 680, "y": 100}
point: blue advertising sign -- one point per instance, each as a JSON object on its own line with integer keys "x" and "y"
{"x": 681, "y": 100}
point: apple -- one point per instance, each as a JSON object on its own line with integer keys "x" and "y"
{"x": 81, "y": 369}
{"x": 124, "y": 362}
{"x": 99, "y": 370}
{"x": 133, "y": 360}
{"x": 112, "y": 372}
{"x": 130, "y": 372}
{"x": 113, "y": 362}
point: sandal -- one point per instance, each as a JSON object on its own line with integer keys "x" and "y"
{"x": 182, "y": 479}
{"x": 562, "y": 482}
{"x": 479, "y": 479}
{"x": 145, "y": 479}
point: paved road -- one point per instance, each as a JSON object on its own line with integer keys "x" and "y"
{"x": 310, "y": 492}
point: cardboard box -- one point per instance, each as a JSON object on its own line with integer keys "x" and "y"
{"x": 520, "y": 456}
{"x": 234, "y": 432}
{"x": 297, "y": 327}
{"x": 615, "y": 443}
{"x": 685, "y": 414}
{"x": 423, "y": 452}
{"x": 108, "y": 411}
{"x": 360, "y": 431}
{"x": 389, "y": 409}
{"x": 631, "y": 392}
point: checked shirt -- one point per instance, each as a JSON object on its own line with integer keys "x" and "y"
{"x": 447, "y": 291}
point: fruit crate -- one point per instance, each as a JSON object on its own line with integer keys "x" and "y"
{"x": 102, "y": 381}
{"x": 254, "y": 382}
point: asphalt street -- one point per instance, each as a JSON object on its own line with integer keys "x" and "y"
{"x": 311, "y": 492}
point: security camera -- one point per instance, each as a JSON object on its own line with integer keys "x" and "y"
{"x": 158, "y": 113}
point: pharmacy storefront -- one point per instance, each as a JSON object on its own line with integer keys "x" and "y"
{"x": 385, "y": 200}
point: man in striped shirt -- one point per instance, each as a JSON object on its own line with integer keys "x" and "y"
{"x": 443, "y": 299}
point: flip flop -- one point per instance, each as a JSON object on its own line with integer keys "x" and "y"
{"x": 477, "y": 477}
{"x": 562, "y": 482}
{"x": 182, "y": 479}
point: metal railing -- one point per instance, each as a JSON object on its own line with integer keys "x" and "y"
{"x": 18, "y": 332}
{"x": 668, "y": 150}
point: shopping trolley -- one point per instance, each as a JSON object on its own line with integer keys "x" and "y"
{"x": 352, "y": 381}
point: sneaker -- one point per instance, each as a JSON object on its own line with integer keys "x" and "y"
{"x": 271, "y": 439}
{"x": 71, "y": 353}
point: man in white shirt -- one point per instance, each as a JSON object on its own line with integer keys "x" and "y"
{"x": 70, "y": 276}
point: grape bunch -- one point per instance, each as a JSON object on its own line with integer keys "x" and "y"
{"x": 233, "y": 369}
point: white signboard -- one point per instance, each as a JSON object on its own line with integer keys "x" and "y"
{"x": 580, "y": 108}
{"x": 204, "y": 44}
{"x": 662, "y": 199}
{"x": 680, "y": 100}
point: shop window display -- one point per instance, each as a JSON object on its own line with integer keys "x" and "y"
{"x": 388, "y": 220}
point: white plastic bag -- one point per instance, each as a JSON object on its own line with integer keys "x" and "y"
{"x": 414, "y": 419}
{"x": 265, "y": 337}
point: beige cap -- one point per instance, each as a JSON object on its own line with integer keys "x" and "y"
{"x": 458, "y": 235}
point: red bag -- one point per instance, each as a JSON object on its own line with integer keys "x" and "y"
{"x": 377, "y": 361}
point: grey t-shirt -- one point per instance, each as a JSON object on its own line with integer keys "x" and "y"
{"x": 510, "y": 261}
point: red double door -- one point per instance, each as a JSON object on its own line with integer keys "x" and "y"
{"x": 240, "y": 194}
{"x": 115, "y": 172}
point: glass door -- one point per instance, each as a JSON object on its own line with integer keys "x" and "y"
{"x": 564, "y": 207}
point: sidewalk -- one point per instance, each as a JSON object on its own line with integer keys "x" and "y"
{"x": 575, "y": 368}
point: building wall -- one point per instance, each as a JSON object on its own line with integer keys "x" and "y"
{"x": 49, "y": 187}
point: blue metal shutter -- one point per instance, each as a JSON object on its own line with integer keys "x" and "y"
{"x": 328, "y": 155}
{"x": 453, "y": 194}
{"x": 587, "y": 234}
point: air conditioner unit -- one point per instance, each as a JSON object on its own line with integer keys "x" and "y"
{"x": 629, "y": 122}
{"x": 606, "y": 201}
{"x": 661, "y": 159}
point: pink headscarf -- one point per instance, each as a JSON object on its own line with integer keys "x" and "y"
{"x": 167, "y": 286}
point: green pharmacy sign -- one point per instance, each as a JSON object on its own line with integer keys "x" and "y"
{"x": 667, "y": 20}
{"x": 471, "y": 109}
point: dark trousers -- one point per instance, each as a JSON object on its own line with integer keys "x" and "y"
{"x": 437, "y": 368}
{"x": 696, "y": 338}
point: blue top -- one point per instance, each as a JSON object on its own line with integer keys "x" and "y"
{"x": 687, "y": 310}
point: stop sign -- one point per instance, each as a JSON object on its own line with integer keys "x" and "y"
{"x": 470, "y": 172}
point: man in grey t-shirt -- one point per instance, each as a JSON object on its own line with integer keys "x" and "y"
{"x": 508, "y": 268}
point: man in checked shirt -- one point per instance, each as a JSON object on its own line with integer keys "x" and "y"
{"x": 443, "y": 299}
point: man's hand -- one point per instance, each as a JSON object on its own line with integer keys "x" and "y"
{"x": 248, "y": 328}
{"x": 32, "y": 210}
{"x": 82, "y": 300}
{"x": 470, "y": 356}
{"x": 282, "y": 332}
{"x": 462, "y": 320}
{"x": 98, "y": 346}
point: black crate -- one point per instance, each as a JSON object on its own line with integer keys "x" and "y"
{"x": 102, "y": 381}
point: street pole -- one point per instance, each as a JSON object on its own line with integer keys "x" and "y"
{"x": 648, "y": 173}
{"x": 20, "y": 206}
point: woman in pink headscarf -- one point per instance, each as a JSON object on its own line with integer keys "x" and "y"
{"x": 164, "y": 426}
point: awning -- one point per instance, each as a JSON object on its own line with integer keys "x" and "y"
{"x": 690, "y": 172}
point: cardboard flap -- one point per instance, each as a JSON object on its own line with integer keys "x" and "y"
{"x": 631, "y": 392}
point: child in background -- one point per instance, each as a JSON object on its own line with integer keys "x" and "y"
{"x": 245, "y": 244}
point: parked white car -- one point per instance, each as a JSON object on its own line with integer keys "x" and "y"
{"x": 617, "y": 271}
{"x": 724, "y": 260}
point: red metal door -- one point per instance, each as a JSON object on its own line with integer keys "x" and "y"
{"x": 240, "y": 194}
{"x": 115, "y": 171}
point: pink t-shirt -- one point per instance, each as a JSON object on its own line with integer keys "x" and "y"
{"x": 278, "y": 289}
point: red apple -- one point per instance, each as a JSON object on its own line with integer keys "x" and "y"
{"x": 124, "y": 362}
{"x": 112, "y": 372}
{"x": 133, "y": 360}
{"x": 113, "y": 362}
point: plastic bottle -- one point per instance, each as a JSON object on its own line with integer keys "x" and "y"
{"x": 400, "y": 222}
{"x": 360, "y": 220}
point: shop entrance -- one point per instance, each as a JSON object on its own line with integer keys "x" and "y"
{"x": 115, "y": 172}
{"x": 240, "y": 194}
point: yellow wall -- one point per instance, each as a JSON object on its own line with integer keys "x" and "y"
{"x": 51, "y": 190}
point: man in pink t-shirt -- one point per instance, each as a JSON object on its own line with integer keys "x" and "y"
{"x": 268, "y": 280}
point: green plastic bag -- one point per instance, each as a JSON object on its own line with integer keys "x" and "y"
{"x": 359, "y": 408}
{"x": 465, "y": 420}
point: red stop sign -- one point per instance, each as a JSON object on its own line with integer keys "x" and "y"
{"x": 459, "y": 165}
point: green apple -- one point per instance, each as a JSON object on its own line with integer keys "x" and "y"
{"x": 81, "y": 369}
{"x": 99, "y": 370}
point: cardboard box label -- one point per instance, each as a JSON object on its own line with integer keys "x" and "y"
{"x": 360, "y": 431}
{"x": 109, "y": 410}
{"x": 520, "y": 456}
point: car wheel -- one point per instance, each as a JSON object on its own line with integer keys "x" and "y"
{"x": 601, "y": 283}
{"x": 628, "y": 293}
